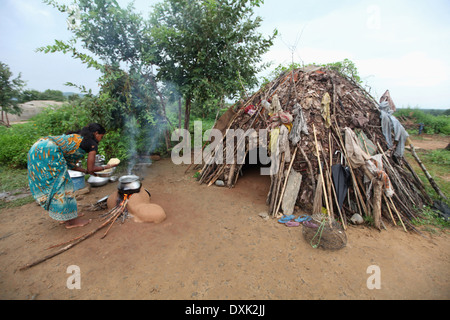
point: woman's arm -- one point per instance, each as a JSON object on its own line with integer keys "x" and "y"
{"x": 80, "y": 169}
{"x": 92, "y": 168}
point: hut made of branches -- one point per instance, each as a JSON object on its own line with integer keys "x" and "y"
{"x": 329, "y": 105}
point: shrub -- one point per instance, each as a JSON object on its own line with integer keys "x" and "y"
{"x": 433, "y": 124}
{"x": 15, "y": 142}
{"x": 441, "y": 157}
{"x": 56, "y": 121}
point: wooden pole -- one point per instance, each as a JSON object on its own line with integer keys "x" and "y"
{"x": 398, "y": 214}
{"x": 321, "y": 175}
{"x": 389, "y": 209}
{"x": 427, "y": 174}
{"x": 277, "y": 186}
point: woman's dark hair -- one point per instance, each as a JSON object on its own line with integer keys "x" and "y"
{"x": 90, "y": 129}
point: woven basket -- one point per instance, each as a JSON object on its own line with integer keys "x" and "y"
{"x": 320, "y": 234}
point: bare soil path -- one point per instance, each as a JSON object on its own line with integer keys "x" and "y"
{"x": 430, "y": 141}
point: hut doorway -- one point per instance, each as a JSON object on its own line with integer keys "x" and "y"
{"x": 251, "y": 177}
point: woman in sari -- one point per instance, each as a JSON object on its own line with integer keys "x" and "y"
{"x": 49, "y": 160}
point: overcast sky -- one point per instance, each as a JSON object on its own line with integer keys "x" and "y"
{"x": 400, "y": 45}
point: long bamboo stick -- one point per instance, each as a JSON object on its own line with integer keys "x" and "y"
{"x": 278, "y": 185}
{"x": 328, "y": 185}
{"x": 419, "y": 183}
{"x": 285, "y": 180}
{"x": 398, "y": 214}
{"x": 389, "y": 209}
{"x": 321, "y": 175}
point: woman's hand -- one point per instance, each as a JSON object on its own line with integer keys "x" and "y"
{"x": 92, "y": 168}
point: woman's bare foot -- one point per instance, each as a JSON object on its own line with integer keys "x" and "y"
{"x": 77, "y": 222}
{"x": 79, "y": 216}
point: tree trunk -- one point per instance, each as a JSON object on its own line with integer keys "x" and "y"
{"x": 167, "y": 139}
{"x": 179, "y": 113}
{"x": 187, "y": 113}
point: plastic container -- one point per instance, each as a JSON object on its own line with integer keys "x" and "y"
{"x": 77, "y": 179}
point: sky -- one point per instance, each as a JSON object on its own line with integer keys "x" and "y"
{"x": 397, "y": 45}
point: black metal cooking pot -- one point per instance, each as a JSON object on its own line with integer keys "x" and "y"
{"x": 129, "y": 184}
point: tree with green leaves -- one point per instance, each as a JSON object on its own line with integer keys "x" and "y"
{"x": 113, "y": 37}
{"x": 347, "y": 68}
{"x": 209, "y": 48}
{"x": 10, "y": 92}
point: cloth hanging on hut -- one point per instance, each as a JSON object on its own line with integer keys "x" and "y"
{"x": 341, "y": 181}
{"x": 266, "y": 105}
{"x": 274, "y": 134}
{"x": 369, "y": 146}
{"x": 356, "y": 155}
{"x": 299, "y": 125}
{"x": 326, "y": 100}
{"x": 386, "y": 124}
{"x": 277, "y": 115}
{"x": 275, "y": 107}
{"x": 386, "y": 97}
{"x": 279, "y": 144}
{"x": 390, "y": 124}
{"x": 284, "y": 143}
{"x": 279, "y": 141}
{"x": 375, "y": 166}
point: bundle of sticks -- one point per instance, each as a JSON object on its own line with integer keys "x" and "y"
{"x": 109, "y": 218}
{"x": 350, "y": 106}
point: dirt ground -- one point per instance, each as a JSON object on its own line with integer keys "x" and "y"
{"x": 430, "y": 142}
{"x": 213, "y": 245}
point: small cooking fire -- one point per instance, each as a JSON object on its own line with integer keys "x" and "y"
{"x": 137, "y": 200}
{"x": 127, "y": 187}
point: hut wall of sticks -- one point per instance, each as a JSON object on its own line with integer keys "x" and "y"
{"x": 325, "y": 134}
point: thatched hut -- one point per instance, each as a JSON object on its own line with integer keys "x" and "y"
{"x": 324, "y": 131}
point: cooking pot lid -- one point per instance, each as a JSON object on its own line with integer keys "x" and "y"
{"x": 128, "y": 178}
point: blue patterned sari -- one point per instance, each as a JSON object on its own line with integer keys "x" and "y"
{"x": 49, "y": 160}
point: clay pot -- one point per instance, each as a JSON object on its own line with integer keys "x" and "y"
{"x": 148, "y": 212}
{"x": 140, "y": 207}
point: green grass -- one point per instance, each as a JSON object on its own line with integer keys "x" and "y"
{"x": 16, "y": 203}
{"x": 14, "y": 181}
{"x": 431, "y": 222}
{"x": 437, "y": 163}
